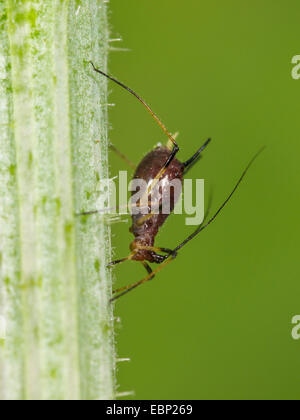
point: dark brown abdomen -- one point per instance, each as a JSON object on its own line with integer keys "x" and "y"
{"x": 147, "y": 170}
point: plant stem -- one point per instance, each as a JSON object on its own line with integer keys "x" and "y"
{"x": 54, "y": 286}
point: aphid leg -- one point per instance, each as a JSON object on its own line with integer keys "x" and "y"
{"x": 104, "y": 211}
{"x": 148, "y": 268}
{"x": 165, "y": 166}
{"x": 189, "y": 163}
{"x": 122, "y": 156}
{"x": 122, "y": 260}
{"x": 130, "y": 287}
{"x": 156, "y": 249}
{"x": 142, "y": 219}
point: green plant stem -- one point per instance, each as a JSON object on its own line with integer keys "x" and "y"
{"x": 54, "y": 286}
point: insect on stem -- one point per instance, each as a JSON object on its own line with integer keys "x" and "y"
{"x": 160, "y": 164}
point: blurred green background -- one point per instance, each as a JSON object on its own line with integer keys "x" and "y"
{"x": 216, "y": 323}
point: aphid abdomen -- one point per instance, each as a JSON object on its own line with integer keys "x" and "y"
{"x": 167, "y": 191}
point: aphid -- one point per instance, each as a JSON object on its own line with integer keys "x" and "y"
{"x": 159, "y": 164}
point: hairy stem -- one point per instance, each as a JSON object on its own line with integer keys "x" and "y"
{"x": 54, "y": 286}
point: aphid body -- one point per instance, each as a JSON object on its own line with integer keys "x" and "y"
{"x": 146, "y": 228}
{"x": 160, "y": 166}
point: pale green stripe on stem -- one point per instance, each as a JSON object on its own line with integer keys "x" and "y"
{"x": 95, "y": 311}
{"x": 55, "y": 287}
{"x": 11, "y": 346}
